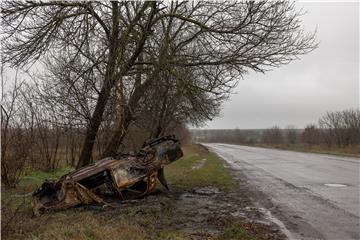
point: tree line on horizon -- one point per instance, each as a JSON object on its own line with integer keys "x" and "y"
{"x": 337, "y": 129}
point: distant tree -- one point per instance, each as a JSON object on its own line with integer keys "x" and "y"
{"x": 342, "y": 126}
{"x": 327, "y": 137}
{"x": 239, "y": 136}
{"x": 291, "y": 135}
{"x": 311, "y": 135}
{"x": 351, "y": 124}
{"x": 272, "y": 136}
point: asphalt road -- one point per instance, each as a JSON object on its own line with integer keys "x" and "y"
{"x": 315, "y": 196}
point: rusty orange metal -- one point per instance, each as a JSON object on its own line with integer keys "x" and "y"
{"x": 128, "y": 176}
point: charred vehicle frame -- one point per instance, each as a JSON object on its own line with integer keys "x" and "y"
{"x": 127, "y": 175}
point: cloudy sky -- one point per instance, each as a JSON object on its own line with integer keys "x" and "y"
{"x": 326, "y": 79}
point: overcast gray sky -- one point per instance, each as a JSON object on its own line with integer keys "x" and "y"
{"x": 326, "y": 79}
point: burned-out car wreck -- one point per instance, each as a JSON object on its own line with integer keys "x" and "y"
{"x": 128, "y": 176}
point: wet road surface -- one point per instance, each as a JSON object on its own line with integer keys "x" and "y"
{"x": 315, "y": 196}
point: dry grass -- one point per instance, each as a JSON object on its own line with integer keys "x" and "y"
{"x": 86, "y": 225}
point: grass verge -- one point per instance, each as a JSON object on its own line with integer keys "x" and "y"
{"x": 185, "y": 174}
{"x": 346, "y": 152}
{"x": 159, "y": 216}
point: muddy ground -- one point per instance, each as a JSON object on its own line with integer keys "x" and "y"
{"x": 202, "y": 213}
{"x": 199, "y": 213}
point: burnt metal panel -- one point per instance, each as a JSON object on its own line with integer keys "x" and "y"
{"x": 130, "y": 175}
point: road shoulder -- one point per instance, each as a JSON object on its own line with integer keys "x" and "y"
{"x": 305, "y": 214}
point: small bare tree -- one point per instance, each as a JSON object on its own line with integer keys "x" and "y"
{"x": 343, "y": 127}
{"x": 311, "y": 135}
{"x": 291, "y": 135}
{"x": 16, "y": 142}
{"x": 272, "y": 136}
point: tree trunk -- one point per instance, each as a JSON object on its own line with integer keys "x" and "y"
{"x": 96, "y": 119}
{"x": 94, "y": 124}
{"x": 4, "y": 174}
{"x": 117, "y": 138}
{"x": 110, "y": 79}
{"x": 125, "y": 120}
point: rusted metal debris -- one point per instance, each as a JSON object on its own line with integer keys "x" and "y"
{"x": 129, "y": 176}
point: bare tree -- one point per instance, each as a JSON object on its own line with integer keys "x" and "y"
{"x": 44, "y": 26}
{"x": 311, "y": 135}
{"x": 217, "y": 42}
{"x": 342, "y": 126}
{"x": 196, "y": 38}
{"x": 351, "y": 124}
{"x": 292, "y": 135}
{"x": 169, "y": 103}
{"x": 272, "y": 136}
{"x": 15, "y": 140}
